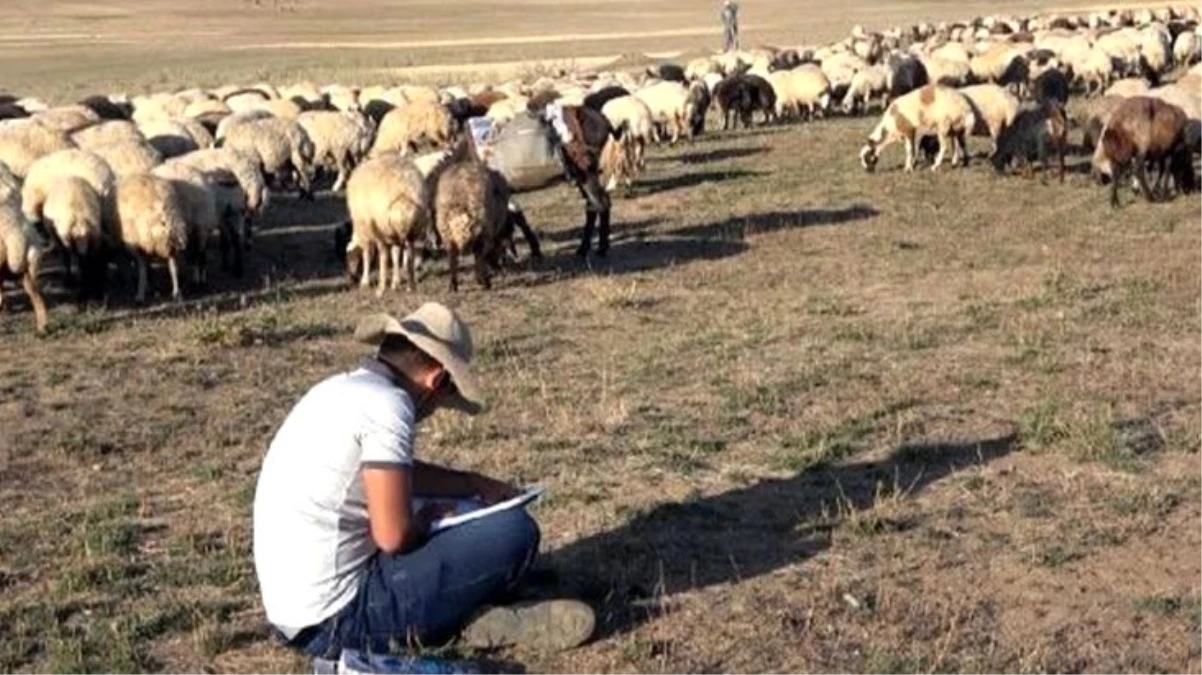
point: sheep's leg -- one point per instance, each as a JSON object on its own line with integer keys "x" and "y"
{"x": 382, "y": 253}
{"x": 909, "y": 142}
{"x": 944, "y": 141}
{"x": 453, "y": 263}
{"x": 481, "y": 254}
{"x": 173, "y": 270}
{"x": 29, "y": 281}
{"x": 140, "y": 294}
{"x": 410, "y": 268}
{"x": 340, "y": 181}
{"x": 1141, "y": 175}
{"x": 962, "y": 143}
{"x": 365, "y": 254}
{"x": 395, "y": 253}
{"x": 1114, "y": 187}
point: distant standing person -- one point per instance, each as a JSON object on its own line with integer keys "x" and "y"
{"x": 730, "y": 25}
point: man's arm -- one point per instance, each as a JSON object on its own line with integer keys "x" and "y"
{"x": 394, "y": 526}
{"x": 431, "y": 480}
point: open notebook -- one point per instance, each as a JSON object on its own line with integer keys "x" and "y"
{"x": 467, "y": 510}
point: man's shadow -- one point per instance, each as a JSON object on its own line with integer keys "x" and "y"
{"x": 748, "y": 532}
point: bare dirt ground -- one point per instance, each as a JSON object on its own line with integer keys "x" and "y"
{"x": 804, "y": 419}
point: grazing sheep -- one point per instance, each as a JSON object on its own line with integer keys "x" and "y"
{"x": 742, "y": 95}
{"x": 283, "y": 149}
{"x": 237, "y": 119}
{"x": 867, "y": 85}
{"x": 1051, "y": 85}
{"x": 244, "y": 99}
{"x": 342, "y": 98}
{"x": 148, "y": 216}
{"x": 66, "y": 118}
{"x": 1187, "y": 48}
{"x": 1128, "y": 87}
{"x": 1093, "y": 117}
{"x": 801, "y": 89}
{"x": 1144, "y": 130}
{"x": 946, "y": 71}
{"x": 1003, "y": 64}
{"x": 404, "y": 128}
{"x": 128, "y": 158}
{"x": 44, "y": 172}
{"x": 469, "y": 205}
{"x": 668, "y": 72}
{"x": 74, "y": 214}
{"x": 207, "y": 109}
{"x": 631, "y": 112}
{"x": 20, "y": 258}
{"x": 175, "y": 137}
{"x": 388, "y": 203}
{"x": 597, "y": 99}
{"x": 697, "y": 106}
{"x": 1093, "y": 70}
{"x": 107, "y": 108}
{"x": 994, "y": 109}
{"x": 214, "y": 206}
{"x": 24, "y": 142}
{"x": 278, "y": 107}
{"x": 1035, "y": 130}
{"x": 936, "y": 108}
{"x": 1181, "y": 96}
{"x": 668, "y": 103}
{"x": 619, "y": 160}
{"x": 340, "y": 140}
{"x": 105, "y": 133}
{"x": 243, "y": 167}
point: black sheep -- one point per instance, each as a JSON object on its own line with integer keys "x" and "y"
{"x": 599, "y": 98}
{"x": 106, "y": 109}
{"x": 1051, "y": 85}
{"x": 908, "y": 74}
{"x": 668, "y": 71}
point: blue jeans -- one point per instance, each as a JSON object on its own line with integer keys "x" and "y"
{"x": 424, "y": 597}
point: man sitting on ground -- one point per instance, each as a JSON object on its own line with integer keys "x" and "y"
{"x": 342, "y": 557}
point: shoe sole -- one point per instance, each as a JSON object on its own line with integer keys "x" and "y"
{"x": 547, "y": 624}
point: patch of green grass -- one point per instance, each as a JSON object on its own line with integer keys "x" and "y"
{"x": 271, "y": 329}
{"x": 1056, "y": 556}
{"x": 1159, "y": 605}
{"x": 1040, "y": 424}
{"x": 109, "y": 537}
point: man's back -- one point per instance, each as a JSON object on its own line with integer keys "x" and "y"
{"x": 311, "y": 534}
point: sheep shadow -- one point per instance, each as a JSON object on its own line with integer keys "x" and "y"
{"x": 627, "y": 572}
{"x": 645, "y": 187}
{"x": 717, "y": 155}
{"x": 737, "y": 228}
{"x": 632, "y": 254}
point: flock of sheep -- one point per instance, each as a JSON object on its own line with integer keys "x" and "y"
{"x": 170, "y": 176}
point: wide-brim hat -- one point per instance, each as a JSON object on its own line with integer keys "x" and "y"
{"x": 437, "y": 331}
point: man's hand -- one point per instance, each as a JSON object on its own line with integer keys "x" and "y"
{"x": 492, "y": 491}
{"x": 432, "y": 512}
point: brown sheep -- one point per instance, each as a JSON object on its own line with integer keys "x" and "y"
{"x": 470, "y": 211}
{"x": 1142, "y": 130}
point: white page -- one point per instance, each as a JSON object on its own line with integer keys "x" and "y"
{"x": 467, "y": 510}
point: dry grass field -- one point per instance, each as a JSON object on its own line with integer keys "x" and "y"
{"x": 803, "y": 418}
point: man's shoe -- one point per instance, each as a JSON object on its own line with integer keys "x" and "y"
{"x": 542, "y": 624}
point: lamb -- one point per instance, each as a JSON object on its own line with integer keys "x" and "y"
{"x": 1034, "y": 130}
{"x": 148, "y": 216}
{"x": 73, "y": 212}
{"x": 668, "y": 104}
{"x": 340, "y": 140}
{"x": 631, "y": 112}
{"x": 469, "y": 211}
{"x": 994, "y": 109}
{"x": 1143, "y": 129}
{"x": 941, "y": 109}
{"x": 866, "y": 85}
{"x": 20, "y": 258}
{"x": 803, "y": 88}
{"x": 405, "y": 127}
{"x": 282, "y": 148}
{"x": 24, "y": 142}
{"x": 44, "y": 172}
{"x": 388, "y": 204}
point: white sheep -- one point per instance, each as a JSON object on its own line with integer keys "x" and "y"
{"x": 215, "y": 207}
{"x": 994, "y": 109}
{"x": 340, "y": 140}
{"x": 342, "y": 98}
{"x": 148, "y": 216}
{"x": 66, "y": 118}
{"x": 866, "y": 85}
{"x": 506, "y": 109}
{"x": 177, "y": 136}
{"x": 24, "y": 142}
{"x": 1128, "y": 87}
{"x": 20, "y": 258}
{"x": 936, "y": 108}
{"x": 389, "y": 208}
{"x": 803, "y": 88}
{"x": 104, "y": 133}
{"x": 243, "y": 167}
{"x": 947, "y": 71}
{"x": 126, "y": 158}
{"x": 73, "y": 211}
{"x": 669, "y": 106}
{"x": 44, "y": 172}
{"x": 632, "y": 112}
{"x": 282, "y": 148}
{"x": 407, "y": 126}
{"x": 1187, "y": 48}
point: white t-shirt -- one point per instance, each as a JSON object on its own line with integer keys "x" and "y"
{"x": 311, "y": 534}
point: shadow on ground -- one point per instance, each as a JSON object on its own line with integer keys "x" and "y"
{"x": 745, "y": 533}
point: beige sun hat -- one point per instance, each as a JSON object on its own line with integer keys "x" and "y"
{"x": 436, "y": 330}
